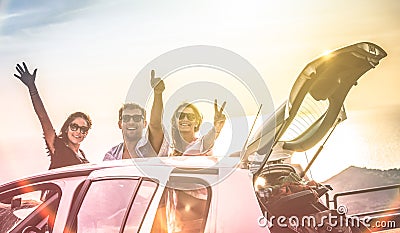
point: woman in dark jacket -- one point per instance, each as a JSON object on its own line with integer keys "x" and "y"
{"x": 63, "y": 148}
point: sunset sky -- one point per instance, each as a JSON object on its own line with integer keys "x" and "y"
{"x": 88, "y": 52}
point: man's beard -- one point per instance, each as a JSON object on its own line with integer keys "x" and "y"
{"x": 133, "y": 136}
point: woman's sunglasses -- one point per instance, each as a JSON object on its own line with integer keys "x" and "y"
{"x": 182, "y": 115}
{"x": 136, "y": 118}
{"x": 75, "y": 127}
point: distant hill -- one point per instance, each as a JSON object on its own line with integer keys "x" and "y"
{"x": 353, "y": 178}
{"x": 356, "y": 178}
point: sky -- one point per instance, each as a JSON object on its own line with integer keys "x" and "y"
{"x": 88, "y": 53}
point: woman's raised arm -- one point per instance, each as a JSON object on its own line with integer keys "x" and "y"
{"x": 29, "y": 80}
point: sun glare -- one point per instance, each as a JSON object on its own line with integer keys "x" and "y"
{"x": 340, "y": 152}
{"x": 327, "y": 54}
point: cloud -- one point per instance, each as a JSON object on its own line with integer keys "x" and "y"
{"x": 9, "y": 16}
{"x": 22, "y": 15}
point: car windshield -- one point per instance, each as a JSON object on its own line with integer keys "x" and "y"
{"x": 310, "y": 111}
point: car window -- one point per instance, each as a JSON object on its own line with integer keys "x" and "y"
{"x": 308, "y": 113}
{"x": 104, "y": 205}
{"x": 33, "y": 206}
{"x": 183, "y": 209}
{"x": 110, "y": 203}
{"x": 140, "y": 206}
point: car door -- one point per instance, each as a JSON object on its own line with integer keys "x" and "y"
{"x": 112, "y": 204}
{"x": 115, "y": 200}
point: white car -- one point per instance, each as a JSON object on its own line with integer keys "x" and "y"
{"x": 233, "y": 193}
{"x": 121, "y": 197}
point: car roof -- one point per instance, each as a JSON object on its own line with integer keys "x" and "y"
{"x": 192, "y": 163}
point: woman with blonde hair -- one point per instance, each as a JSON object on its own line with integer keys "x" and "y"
{"x": 186, "y": 122}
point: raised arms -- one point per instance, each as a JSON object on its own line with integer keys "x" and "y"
{"x": 29, "y": 80}
{"x": 156, "y": 134}
{"x": 219, "y": 121}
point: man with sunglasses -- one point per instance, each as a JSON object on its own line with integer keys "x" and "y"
{"x": 132, "y": 122}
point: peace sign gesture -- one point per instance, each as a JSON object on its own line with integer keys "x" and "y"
{"x": 219, "y": 117}
{"x": 156, "y": 83}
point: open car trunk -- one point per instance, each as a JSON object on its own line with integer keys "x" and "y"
{"x": 315, "y": 103}
{"x": 313, "y": 109}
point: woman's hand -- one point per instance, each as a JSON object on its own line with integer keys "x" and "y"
{"x": 25, "y": 76}
{"x": 219, "y": 117}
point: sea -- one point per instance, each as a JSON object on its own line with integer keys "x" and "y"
{"x": 366, "y": 139}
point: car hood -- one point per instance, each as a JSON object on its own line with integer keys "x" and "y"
{"x": 315, "y": 103}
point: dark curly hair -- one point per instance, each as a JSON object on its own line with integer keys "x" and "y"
{"x": 73, "y": 116}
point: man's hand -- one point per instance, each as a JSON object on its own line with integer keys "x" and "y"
{"x": 157, "y": 83}
{"x": 219, "y": 117}
{"x": 25, "y": 76}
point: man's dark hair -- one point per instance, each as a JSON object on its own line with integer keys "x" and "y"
{"x": 131, "y": 106}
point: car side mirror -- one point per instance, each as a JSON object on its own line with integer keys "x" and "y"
{"x": 16, "y": 202}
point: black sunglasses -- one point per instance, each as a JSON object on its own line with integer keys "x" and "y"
{"x": 136, "y": 118}
{"x": 189, "y": 116}
{"x": 75, "y": 127}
